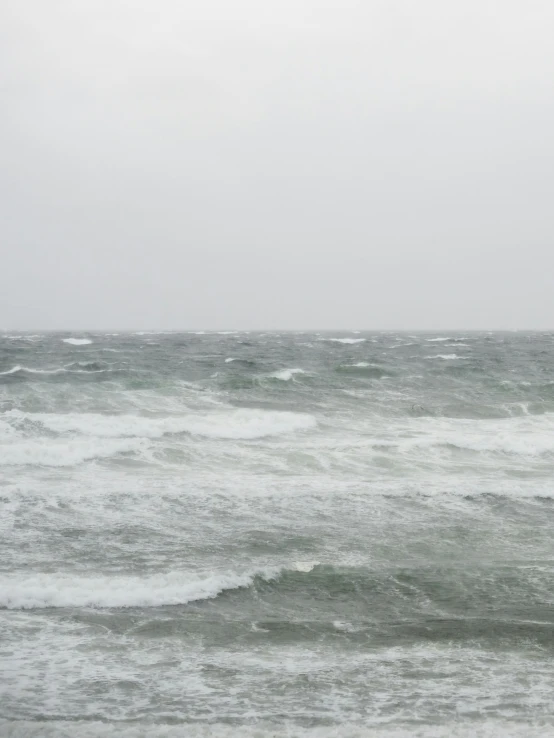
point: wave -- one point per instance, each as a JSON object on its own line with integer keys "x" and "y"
{"x": 286, "y": 375}
{"x": 173, "y": 588}
{"x": 78, "y": 367}
{"x": 25, "y": 337}
{"x": 87, "y": 366}
{"x": 438, "y": 340}
{"x": 21, "y": 370}
{"x": 150, "y": 333}
{"x": 517, "y": 436}
{"x": 446, "y": 357}
{"x": 345, "y": 340}
{"x": 77, "y": 341}
{"x": 242, "y": 362}
{"x": 58, "y": 453}
{"x": 240, "y": 424}
{"x": 412, "y": 590}
{"x": 13, "y": 370}
{"x": 364, "y": 369}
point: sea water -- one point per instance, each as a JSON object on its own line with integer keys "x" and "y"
{"x": 276, "y": 534}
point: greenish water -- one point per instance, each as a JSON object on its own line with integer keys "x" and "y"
{"x": 317, "y": 535}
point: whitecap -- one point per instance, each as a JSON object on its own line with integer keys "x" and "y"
{"x": 229, "y": 360}
{"x": 27, "y": 370}
{"x": 77, "y": 341}
{"x": 343, "y": 626}
{"x": 287, "y": 374}
{"x": 305, "y": 566}
{"x": 446, "y": 357}
{"x": 13, "y": 370}
{"x": 18, "y": 592}
{"x": 432, "y": 340}
{"x": 345, "y": 340}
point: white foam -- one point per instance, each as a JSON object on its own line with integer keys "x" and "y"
{"x": 245, "y": 424}
{"x": 13, "y": 370}
{"x": 28, "y": 370}
{"x": 344, "y": 627}
{"x": 305, "y": 566}
{"x": 287, "y": 374}
{"x": 434, "y": 340}
{"x": 517, "y": 436}
{"x": 446, "y": 357}
{"x": 48, "y": 452}
{"x": 152, "y": 333}
{"x": 345, "y": 340}
{"x": 68, "y": 368}
{"x": 77, "y": 341}
{"x": 20, "y": 592}
{"x": 229, "y": 360}
{"x": 6, "y": 430}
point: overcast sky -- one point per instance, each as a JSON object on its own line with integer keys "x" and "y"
{"x": 276, "y": 164}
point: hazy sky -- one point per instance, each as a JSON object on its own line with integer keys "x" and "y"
{"x": 276, "y": 164}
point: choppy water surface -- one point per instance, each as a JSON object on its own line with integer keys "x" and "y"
{"x": 315, "y": 535}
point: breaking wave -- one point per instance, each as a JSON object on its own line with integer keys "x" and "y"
{"x": 172, "y": 588}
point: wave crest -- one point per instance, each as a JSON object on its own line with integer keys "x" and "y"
{"x": 172, "y": 588}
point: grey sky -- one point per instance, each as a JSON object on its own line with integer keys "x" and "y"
{"x": 276, "y": 164}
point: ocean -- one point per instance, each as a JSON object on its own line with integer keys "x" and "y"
{"x": 311, "y": 535}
